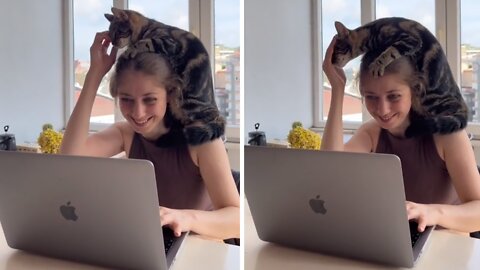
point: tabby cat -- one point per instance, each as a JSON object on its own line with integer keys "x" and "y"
{"x": 196, "y": 109}
{"x": 444, "y": 110}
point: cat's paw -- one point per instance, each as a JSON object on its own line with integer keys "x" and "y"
{"x": 144, "y": 45}
{"x": 377, "y": 68}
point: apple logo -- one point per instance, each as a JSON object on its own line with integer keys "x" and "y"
{"x": 318, "y": 205}
{"x": 68, "y": 212}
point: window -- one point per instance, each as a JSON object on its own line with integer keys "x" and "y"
{"x": 424, "y": 11}
{"x": 172, "y": 12}
{"x": 193, "y": 15}
{"x": 349, "y": 16}
{"x": 353, "y": 13}
{"x": 227, "y": 60}
{"x": 88, "y": 19}
{"x": 470, "y": 57}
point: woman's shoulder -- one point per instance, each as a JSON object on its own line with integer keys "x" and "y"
{"x": 127, "y": 134}
{"x": 451, "y": 142}
{"x": 124, "y": 128}
{"x": 372, "y": 130}
{"x": 452, "y": 139}
{"x": 212, "y": 149}
{"x": 371, "y": 126}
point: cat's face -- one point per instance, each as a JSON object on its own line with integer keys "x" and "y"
{"x": 125, "y": 26}
{"x": 342, "y": 52}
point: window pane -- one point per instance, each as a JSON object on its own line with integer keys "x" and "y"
{"x": 420, "y": 11}
{"x": 227, "y": 59}
{"x": 89, "y": 19}
{"x": 172, "y": 12}
{"x": 348, "y": 13}
{"x": 470, "y": 53}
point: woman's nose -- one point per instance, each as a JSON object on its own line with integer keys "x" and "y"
{"x": 138, "y": 110}
{"x": 383, "y": 107}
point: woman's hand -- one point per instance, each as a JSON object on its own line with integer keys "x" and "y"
{"x": 424, "y": 214}
{"x": 177, "y": 220}
{"x": 336, "y": 76}
{"x": 100, "y": 61}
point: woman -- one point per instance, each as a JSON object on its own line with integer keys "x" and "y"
{"x": 195, "y": 185}
{"x": 442, "y": 183}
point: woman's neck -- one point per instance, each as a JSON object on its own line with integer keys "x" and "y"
{"x": 399, "y": 131}
{"x": 157, "y": 133}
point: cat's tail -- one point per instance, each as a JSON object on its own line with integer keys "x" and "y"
{"x": 441, "y": 124}
{"x": 201, "y": 131}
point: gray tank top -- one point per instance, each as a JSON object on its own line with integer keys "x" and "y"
{"x": 179, "y": 183}
{"x": 425, "y": 174}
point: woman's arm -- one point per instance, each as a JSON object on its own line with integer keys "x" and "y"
{"x": 460, "y": 160}
{"x": 332, "y": 138}
{"x": 224, "y": 221}
{"x": 76, "y": 140}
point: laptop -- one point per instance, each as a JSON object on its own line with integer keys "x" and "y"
{"x": 344, "y": 204}
{"x": 101, "y": 211}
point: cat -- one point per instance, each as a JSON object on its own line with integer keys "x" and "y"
{"x": 444, "y": 110}
{"x": 196, "y": 109}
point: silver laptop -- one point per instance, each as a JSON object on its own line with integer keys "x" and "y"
{"x": 101, "y": 211}
{"x": 345, "y": 204}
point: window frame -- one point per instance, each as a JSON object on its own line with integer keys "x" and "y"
{"x": 201, "y": 23}
{"x": 447, "y": 30}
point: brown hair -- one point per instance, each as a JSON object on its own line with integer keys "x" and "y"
{"x": 158, "y": 67}
{"x": 405, "y": 68}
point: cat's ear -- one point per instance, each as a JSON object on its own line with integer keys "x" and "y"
{"x": 109, "y": 17}
{"x": 120, "y": 13}
{"x": 115, "y": 10}
{"x": 341, "y": 29}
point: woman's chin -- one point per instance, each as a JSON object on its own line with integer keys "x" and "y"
{"x": 394, "y": 127}
{"x": 386, "y": 124}
{"x": 140, "y": 128}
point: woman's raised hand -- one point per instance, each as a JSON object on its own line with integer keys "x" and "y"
{"x": 100, "y": 60}
{"x": 336, "y": 75}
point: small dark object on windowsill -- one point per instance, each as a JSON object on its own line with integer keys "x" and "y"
{"x": 7, "y": 140}
{"x": 257, "y": 137}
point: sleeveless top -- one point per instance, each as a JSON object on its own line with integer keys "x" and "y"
{"x": 425, "y": 174}
{"x": 179, "y": 183}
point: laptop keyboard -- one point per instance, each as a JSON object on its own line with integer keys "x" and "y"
{"x": 168, "y": 238}
{"x": 414, "y": 233}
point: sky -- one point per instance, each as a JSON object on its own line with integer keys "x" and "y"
{"x": 470, "y": 22}
{"x": 89, "y": 19}
{"x": 423, "y": 11}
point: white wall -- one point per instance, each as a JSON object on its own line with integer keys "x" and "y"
{"x": 31, "y": 67}
{"x": 278, "y": 65}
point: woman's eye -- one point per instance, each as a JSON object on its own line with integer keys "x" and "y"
{"x": 372, "y": 98}
{"x": 150, "y": 100}
{"x": 126, "y": 100}
{"x": 393, "y": 97}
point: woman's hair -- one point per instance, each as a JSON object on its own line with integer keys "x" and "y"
{"x": 405, "y": 68}
{"x": 158, "y": 67}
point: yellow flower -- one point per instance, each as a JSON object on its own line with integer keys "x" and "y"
{"x": 49, "y": 140}
{"x": 302, "y": 138}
